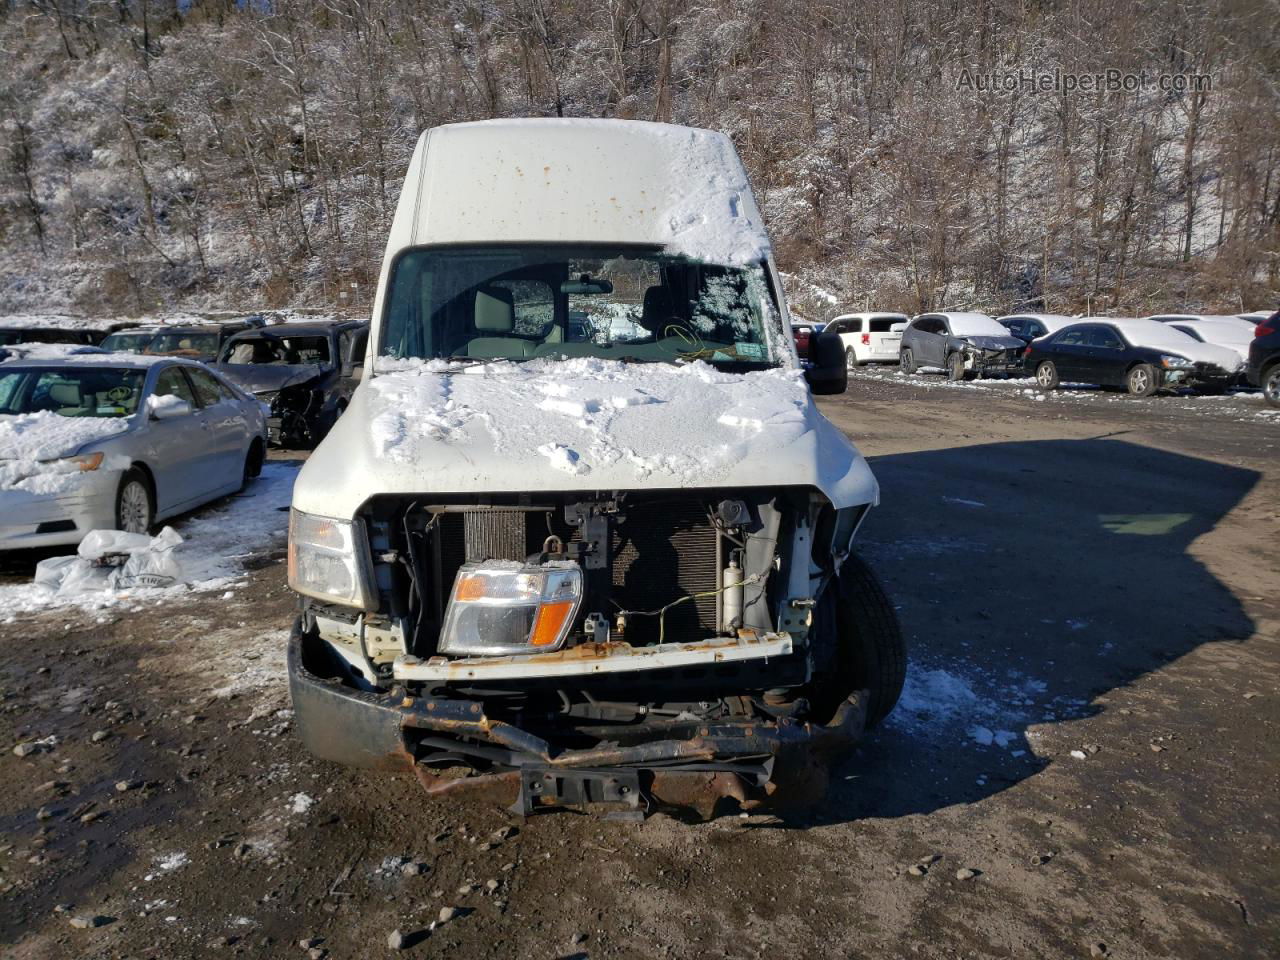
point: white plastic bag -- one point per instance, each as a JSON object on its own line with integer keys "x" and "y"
{"x": 114, "y": 560}
{"x": 154, "y": 566}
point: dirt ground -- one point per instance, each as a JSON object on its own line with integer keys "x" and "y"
{"x": 1089, "y": 585}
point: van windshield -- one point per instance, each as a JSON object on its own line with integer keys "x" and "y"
{"x": 622, "y": 303}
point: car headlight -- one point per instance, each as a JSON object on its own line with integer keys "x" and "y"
{"x": 1170, "y": 362}
{"x": 498, "y": 608}
{"x": 328, "y": 560}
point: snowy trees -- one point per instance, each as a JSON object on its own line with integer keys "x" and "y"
{"x": 223, "y": 153}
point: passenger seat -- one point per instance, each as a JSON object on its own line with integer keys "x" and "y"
{"x": 495, "y": 316}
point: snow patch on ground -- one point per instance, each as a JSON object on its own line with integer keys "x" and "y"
{"x": 962, "y": 703}
{"x": 215, "y": 541}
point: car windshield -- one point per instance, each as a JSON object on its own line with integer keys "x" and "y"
{"x": 127, "y": 342}
{"x": 195, "y": 344}
{"x": 91, "y": 391}
{"x": 272, "y": 350}
{"x": 624, "y": 303}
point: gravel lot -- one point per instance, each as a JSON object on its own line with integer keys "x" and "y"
{"x": 1085, "y": 761}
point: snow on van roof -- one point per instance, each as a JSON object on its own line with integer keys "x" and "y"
{"x": 581, "y": 181}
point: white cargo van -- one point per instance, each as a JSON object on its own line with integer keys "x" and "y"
{"x": 582, "y": 535}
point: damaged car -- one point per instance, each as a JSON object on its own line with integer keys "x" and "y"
{"x": 304, "y": 373}
{"x": 964, "y": 345}
{"x": 613, "y": 571}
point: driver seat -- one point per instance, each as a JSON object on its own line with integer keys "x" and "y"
{"x": 495, "y": 316}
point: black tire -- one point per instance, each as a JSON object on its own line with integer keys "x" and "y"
{"x": 906, "y": 360}
{"x": 135, "y": 503}
{"x": 1047, "y": 375}
{"x": 858, "y": 645}
{"x": 851, "y": 358}
{"x": 253, "y": 462}
{"x": 955, "y": 366}
{"x": 1142, "y": 380}
{"x": 1271, "y": 386}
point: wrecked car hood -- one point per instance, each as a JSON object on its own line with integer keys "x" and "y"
{"x": 268, "y": 378}
{"x": 995, "y": 343}
{"x": 582, "y": 424}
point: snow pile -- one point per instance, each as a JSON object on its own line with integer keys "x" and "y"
{"x": 710, "y": 215}
{"x": 585, "y": 413}
{"x": 57, "y": 320}
{"x": 33, "y": 448}
{"x": 975, "y": 706}
{"x": 212, "y": 544}
{"x": 46, "y": 435}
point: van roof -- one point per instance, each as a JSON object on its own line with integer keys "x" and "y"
{"x": 580, "y": 181}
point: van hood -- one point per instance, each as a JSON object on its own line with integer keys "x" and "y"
{"x": 581, "y": 424}
{"x": 268, "y": 377}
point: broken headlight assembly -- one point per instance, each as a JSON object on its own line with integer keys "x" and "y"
{"x": 327, "y": 560}
{"x": 504, "y": 608}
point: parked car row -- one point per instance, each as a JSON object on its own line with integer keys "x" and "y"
{"x": 157, "y": 420}
{"x": 303, "y": 371}
{"x": 1207, "y": 353}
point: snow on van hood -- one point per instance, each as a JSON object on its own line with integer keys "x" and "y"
{"x": 580, "y": 424}
{"x": 33, "y": 448}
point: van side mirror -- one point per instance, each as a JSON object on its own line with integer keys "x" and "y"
{"x": 828, "y": 374}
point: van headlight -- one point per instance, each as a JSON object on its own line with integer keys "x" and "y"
{"x": 328, "y": 559}
{"x": 501, "y": 608}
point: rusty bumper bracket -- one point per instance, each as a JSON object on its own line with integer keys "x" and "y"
{"x": 540, "y": 786}
{"x": 746, "y": 759}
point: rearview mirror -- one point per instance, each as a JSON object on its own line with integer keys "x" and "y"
{"x": 586, "y": 285}
{"x": 897, "y": 327}
{"x": 828, "y": 374}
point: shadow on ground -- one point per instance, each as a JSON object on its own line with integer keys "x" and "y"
{"x": 1031, "y": 578}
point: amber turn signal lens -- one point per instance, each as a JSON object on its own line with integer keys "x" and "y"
{"x": 549, "y": 623}
{"x": 470, "y": 588}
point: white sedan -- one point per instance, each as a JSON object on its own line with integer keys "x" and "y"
{"x": 112, "y": 441}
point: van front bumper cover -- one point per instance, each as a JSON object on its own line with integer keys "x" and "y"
{"x": 748, "y": 760}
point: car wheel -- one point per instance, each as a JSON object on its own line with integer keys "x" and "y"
{"x": 851, "y": 358}
{"x": 1271, "y": 386}
{"x": 1141, "y": 380}
{"x": 907, "y": 361}
{"x": 135, "y": 504}
{"x": 860, "y": 644}
{"x": 252, "y": 463}
{"x": 1047, "y": 375}
{"x": 955, "y": 366}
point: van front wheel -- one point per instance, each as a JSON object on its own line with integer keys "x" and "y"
{"x": 858, "y": 644}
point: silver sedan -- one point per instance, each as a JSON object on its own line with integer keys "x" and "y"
{"x": 114, "y": 441}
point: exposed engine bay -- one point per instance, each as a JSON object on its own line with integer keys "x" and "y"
{"x": 620, "y": 627}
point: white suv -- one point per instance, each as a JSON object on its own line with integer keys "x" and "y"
{"x": 869, "y": 337}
